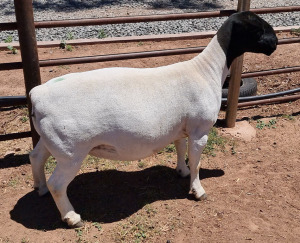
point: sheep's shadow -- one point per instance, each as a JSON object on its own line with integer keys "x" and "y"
{"x": 106, "y": 196}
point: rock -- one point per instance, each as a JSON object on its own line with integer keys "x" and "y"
{"x": 242, "y": 130}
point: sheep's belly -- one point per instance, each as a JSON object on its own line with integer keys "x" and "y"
{"x": 113, "y": 153}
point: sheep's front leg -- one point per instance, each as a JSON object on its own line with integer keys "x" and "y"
{"x": 195, "y": 148}
{"x": 181, "y": 168}
{"x": 63, "y": 174}
{"x": 38, "y": 157}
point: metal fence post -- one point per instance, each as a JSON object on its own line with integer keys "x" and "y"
{"x": 29, "y": 53}
{"x": 235, "y": 78}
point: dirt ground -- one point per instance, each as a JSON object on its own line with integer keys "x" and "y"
{"x": 252, "y": 186}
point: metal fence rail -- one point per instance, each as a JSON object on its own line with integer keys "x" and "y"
{"x": 144, "y": 18}
{"x": 121, "y": 56}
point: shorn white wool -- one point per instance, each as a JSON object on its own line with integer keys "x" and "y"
{"x": 129, "y": 113}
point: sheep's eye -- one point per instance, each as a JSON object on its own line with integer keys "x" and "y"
{"x": 259, "y": 33}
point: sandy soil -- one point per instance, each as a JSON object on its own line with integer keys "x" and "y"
{"x": 253, "y": 186}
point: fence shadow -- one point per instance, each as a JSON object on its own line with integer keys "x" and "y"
{"x": 184, "y": 4}
{"x": 106, "y": 196}
{"x": 222, "y": 122}
{"x": 7, "y": 6}
{"x": 14, "y": 161}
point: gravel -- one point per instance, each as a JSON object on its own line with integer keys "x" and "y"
{"x": 76, "y": 9}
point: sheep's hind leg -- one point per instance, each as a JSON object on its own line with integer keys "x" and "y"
{"x": 38, "y": 158}
{"x": 63, "y": 174}
{"x": 182, "y": 169}
{"x": 195, "y": 148}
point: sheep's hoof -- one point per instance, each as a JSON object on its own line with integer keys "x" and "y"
{"x": 43, "y": 190}
{"x": 203, "y": 197}
{"x": 197, "y": 197}
{"x": 73, "y": 220}
{"x": 185, "y": 172}
{"x": 77, "y": 225}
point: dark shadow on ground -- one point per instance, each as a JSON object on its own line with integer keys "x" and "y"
{"x": 184, "y": 4}
{"x": 14, "y": 161}
{"x": 222, "y": 122}
{"x": 258, "y": 117}
{"x": 7, "y": 6}
{"x": 106, "y": 196}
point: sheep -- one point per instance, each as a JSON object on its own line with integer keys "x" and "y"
{"x": 131, "y": 113}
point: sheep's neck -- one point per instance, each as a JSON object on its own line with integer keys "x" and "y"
{"x": 212, "y": 62}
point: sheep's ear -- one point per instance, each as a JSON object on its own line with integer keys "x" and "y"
{"x": 247, "y": 27}
{"x": 239, "y": 29}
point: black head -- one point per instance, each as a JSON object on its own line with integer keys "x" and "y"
{"x": 246, "y": 32}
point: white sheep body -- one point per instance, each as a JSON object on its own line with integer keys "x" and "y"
{"x": 134, "y": 112}
{"x": 131, "y": 113}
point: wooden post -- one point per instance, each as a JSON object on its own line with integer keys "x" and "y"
{"x": 235, "y": 78}
{"x": 29, "y": 53}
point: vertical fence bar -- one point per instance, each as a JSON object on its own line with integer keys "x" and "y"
{"x": 29, "y": 53}
{"x": 235, "y": 78}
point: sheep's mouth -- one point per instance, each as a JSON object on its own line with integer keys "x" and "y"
{"x": 268, "y": 53}
{"x": 269, "y": 49}
{"x": 265, "y": 49}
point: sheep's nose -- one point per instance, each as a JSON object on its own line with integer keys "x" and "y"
{"x": 269, "y": 44}
{"x": 273, "y": 41}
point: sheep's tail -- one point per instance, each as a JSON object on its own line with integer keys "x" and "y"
{"x": 34, "y": 97}
{"x": 32, "y": 106}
